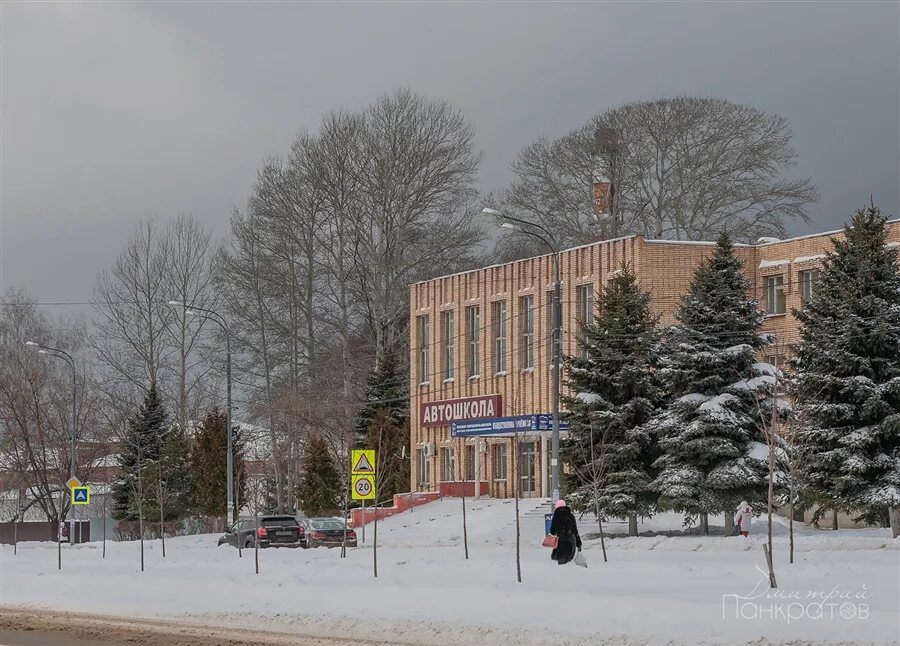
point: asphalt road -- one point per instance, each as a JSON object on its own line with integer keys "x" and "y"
{"x": 30, "y": 627}
{"x": 35, "y": 638}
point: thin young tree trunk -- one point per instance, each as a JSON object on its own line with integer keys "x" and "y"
{"x": 16, "y": 521}
{"x": 346, "y": 481}
{"x": 834, "y": 519}
{"x": 104, "y": 525}
{"x": 602, "y": 540}
{"x": 256, "y": 535}
{"x": 771, "y": 505}
{"x": 704, "y": 523}
{"x": 894, "y": 513}
{"x": 465, "y": 533}
{"x": 516, "y": 485}
{"x": 162, "y": 515}
{"x": 791, "y": 528}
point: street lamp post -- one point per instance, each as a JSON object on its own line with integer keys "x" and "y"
{"x": 218, "y": 319}
{"x": 516, "y": 224}
{"x": 65, "y": 356}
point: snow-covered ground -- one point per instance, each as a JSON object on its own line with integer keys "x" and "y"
{"x": 843, "y": 586}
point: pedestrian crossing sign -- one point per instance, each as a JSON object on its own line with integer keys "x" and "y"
{"x": 81, "y": 495}
{"x": 362, "y": 462}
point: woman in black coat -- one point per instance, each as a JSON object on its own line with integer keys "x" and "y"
{"x": 563, "y": 526}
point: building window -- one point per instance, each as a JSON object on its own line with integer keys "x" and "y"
{"x": 526, "y": 314}
{"x": 775, "y": 298}
{"x": 473, "y": 339}
{"x": 585, "y": 302}
{"x": 499, "y": 323}
{"x": 422, "y": 349}
{"x": 776, "y": 360}
{"x": 424, "y": 470}
{"x": 470, "y": 462}
{"x": 448, "y": 343}
{"x": 448, "y": 464}
{"x": 808, "y": 280}
{"x": 499, "y": 461}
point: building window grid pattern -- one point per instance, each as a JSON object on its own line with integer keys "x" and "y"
{"x": 526, "y": 312}
{"x": 499, "y": 460}
{"x": 808, "y": 280}
{"x": 470, "y": 462}
{"x": 473, "y": 336}
{"x": 424, "y": 469}
{"x": 500, "y": 327}
{"x": 423, "y": 349}
{"x": 448, "y": 342}
{"x": 585, "y": 299}
{"x": 448, "y": 464}
{"x": 775, "y": 297}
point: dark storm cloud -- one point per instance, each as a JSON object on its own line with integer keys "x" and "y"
{"x": 111, "y": 112}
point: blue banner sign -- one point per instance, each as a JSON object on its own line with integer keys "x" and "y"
{"x": 505, "y": 425}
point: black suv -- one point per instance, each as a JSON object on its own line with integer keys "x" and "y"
{"x": 274, "y": 531}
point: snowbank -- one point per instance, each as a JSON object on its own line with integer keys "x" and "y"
{"x": 427, "y": 593}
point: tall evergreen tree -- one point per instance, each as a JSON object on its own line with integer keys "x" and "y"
{"x": 142, "y": 445}
{"x": 176, "y": 478}
{"x": 847, "y": 378}
{"x": 384, "y": 419}
{"x": 617, "y": 391}
{"x": 208, "y": 462}
{"x": 386, "y": 391}
{"x": 319, "y": 489}
{"x": 391, "y": 443}
{"x": 715, "y": 388}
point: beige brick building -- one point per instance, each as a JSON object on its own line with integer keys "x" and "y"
{"x": 480, "y": 344}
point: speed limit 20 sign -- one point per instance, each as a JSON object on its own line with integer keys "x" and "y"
{"x": 363, "y": 487}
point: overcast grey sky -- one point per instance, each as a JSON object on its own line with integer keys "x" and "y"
{"x": 113, "y": 111}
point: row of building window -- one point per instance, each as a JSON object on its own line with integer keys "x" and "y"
{"x": 499, "y": 463}
{"x": 776, "y": 301}
{"x": 499, "y": 334}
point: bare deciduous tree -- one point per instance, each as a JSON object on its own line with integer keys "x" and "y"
{"x": 684, "y": 169}
{"x": 187, "y": 250}
{"x": 132, "y": 316}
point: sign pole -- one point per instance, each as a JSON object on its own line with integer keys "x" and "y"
{"x": 364, "y": 522}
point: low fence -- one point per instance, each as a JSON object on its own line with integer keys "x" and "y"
{"x": 122, "y": 530}
{"x": 79, "y": 531}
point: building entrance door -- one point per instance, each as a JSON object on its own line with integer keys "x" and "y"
{"x": 528, "y": 469}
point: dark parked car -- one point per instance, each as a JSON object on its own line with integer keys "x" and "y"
{"x": 328, "y": 532}
{"x": 274, "y": 531}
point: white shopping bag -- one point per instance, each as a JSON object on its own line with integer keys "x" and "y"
{"x": 580, "y": 560}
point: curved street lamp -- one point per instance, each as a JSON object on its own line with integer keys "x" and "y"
{"x": 65, "y": 356}
{"x": 510, "y": 222}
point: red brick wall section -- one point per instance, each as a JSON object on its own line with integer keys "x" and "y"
{"x": 402, "y": 502}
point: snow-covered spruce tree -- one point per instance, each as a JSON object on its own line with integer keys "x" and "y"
{"x": 715, "y": 388}
{"x": 617, "y": 391}
{"x": 139, "y": 448}
{"x": 847, "y": 379}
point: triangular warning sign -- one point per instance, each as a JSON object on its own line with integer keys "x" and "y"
{"x": 362, "y": 464}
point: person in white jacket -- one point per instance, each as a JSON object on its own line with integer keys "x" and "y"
{"x": 744, "y": 518}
